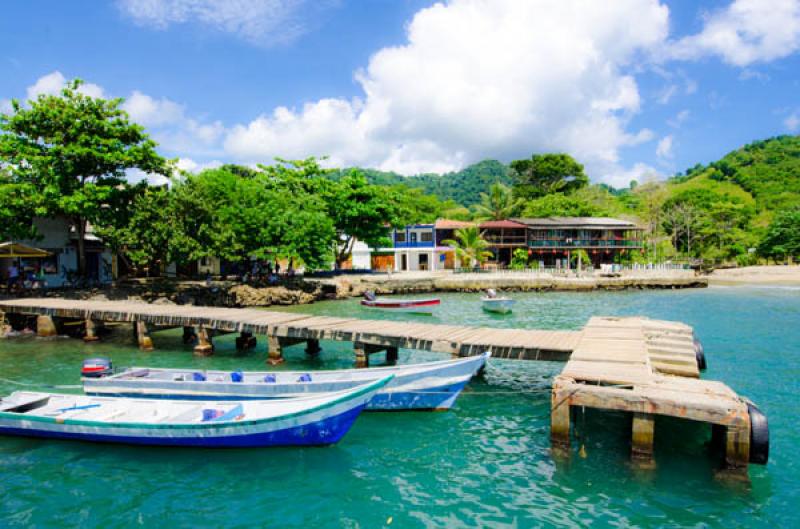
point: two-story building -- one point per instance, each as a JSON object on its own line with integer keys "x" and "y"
{"x": 552, "y": 239}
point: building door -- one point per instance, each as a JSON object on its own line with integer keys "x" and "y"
{"x": 404, "y": 262}
{"x": 423, "y": 261}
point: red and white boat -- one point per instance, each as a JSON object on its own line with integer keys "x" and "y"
{"x": 419, "y": 306}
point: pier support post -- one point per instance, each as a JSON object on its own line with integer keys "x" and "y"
{"x": 313, "y": 348}
{"x": 142, "y": 334}
{"x": 643, "y": 432}
{"x": 189, "y": 335}
{"x": 362, "y": 355}
{"x": 45, "y": 327}
{"x": 275, "y": 354}
{"x": 91, "y": 331}
{"x": 737, "y": 450}
{"x": 245, "y": 340}
{"x": 391, "y": 355}
{"x": 204, "y": 346}
{"x": 560, "y": 416}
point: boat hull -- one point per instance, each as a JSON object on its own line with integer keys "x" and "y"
{"x": 310, "y": 421}
{"x": 418, "y": 306}
{"x": 435, "y": 385}
{"x": 498, "y": 306}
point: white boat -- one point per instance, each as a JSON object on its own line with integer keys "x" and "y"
{"x": 311, "y": 420}
{"x": 432, "y": 385}
{"x": 491, "y": 302}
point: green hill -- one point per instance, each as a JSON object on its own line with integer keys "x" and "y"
{"x": 463, "y": 187}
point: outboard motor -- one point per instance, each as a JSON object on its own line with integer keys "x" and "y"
{"x": 96, "y": 367}
{"x": 369, "y": 295}
{"x": 491, "y": 293}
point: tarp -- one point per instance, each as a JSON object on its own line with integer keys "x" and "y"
{"x": 15, "y": 249}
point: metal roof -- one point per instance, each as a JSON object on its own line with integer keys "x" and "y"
{"x": 577, "y": 222}
{"x": 502, "y": 224}
{"x": 447, "y": 224}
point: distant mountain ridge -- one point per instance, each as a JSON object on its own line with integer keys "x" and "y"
{"x": 463, "y": 187}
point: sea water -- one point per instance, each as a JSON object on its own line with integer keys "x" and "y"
{"x": 485, "y": 463}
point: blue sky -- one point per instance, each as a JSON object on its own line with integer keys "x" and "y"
{"x": 632, "y": 88}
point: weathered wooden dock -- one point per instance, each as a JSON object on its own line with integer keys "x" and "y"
{"x": 637, "y": 365}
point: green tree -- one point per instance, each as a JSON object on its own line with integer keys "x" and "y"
{"x": 497, "y": 204}
{"x": 74, "y": 150}
{"x": 782, "y": 239}
{"x": 519, "y": 259}
{"x": 19, "y": 203}
{"x": 560, "y": 205}
{"x": 544, "y": 174}
{"x": 470, "y": 246}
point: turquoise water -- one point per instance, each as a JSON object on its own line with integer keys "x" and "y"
{"x": 486, "y": 463}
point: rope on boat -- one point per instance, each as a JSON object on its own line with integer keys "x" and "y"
{"x": 50, "y": 386}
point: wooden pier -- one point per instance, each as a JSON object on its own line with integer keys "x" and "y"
{"x": 637, "y": 365}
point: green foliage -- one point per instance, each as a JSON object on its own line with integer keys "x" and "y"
{"x": 470, "y": 246}
{"x": 72, "y": 151}
{"x": 581, "y": 255}
{"x": 519, "y": 259}
{"x": 498, "y": 204}
{"x": 560, "y": 205}
{"x": 544, "y": 174}
{"x": 782, "y": 239}
{"x": 461, "y": 187}
{"x": 18, "y": 205}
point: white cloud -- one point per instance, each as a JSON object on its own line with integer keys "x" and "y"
{"x": 679, "y": 118}
{"x": 5, "y": 106}
{"x": 54, "y": 82}
{"x": 149, "y": 111}
{"x": 664, "y": 147}
{"x": 259, "y": 22}
{"x": 666, "y": 94}
{"x": 187, "y": 164}
{"x": 745, "y": 32}
{"x": 640, "y": 172}
{"x": 792, "y": 122}
{"x": 476, "y": 79}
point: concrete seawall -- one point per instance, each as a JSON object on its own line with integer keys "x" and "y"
{"x": 433, "y": 282}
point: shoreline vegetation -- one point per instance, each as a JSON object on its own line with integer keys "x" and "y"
{"x": 740, "y": 210}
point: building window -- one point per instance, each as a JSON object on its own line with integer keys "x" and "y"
{"x": 413, "y": 236}
{"x": 400, "y": 236}
{"x": 426, "y": 236}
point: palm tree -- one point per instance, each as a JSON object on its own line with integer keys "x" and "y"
{"x": 470, "y": 246}
{"x": 498, "y": 204}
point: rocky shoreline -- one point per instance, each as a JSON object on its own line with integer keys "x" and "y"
{"x": 301, "y": 292}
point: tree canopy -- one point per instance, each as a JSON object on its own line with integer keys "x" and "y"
{"x": 544, "y": 174}
{"x": 72, "y": 151}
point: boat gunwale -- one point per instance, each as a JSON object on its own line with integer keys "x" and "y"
{"x": 351, "y": 395}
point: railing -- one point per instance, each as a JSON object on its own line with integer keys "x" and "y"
{"x": 414, "y": 244}
{"x": 585, "y": 243}
{"x": 507, "y": 239}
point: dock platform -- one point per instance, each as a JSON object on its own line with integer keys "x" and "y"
{"x": 634, "y": 364}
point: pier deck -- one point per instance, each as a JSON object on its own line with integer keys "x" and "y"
{"x": 637, "y": 365}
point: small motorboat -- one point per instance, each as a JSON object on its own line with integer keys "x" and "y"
{"x": 418, "y": 306}
{"x": 491, "y": 302}
{"x": 311, "y": 420}
{"x": 432, "y": 385}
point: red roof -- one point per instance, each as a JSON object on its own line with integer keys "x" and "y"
{"x": 501, "y": 224}
{"x": 445, "y": 224}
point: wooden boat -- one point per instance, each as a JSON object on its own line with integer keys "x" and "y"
{"x": 433, "y": 385}
{"x": 419, "y": 306}
{"x": 491, "y": 302}
{"x": 311, "y": 420}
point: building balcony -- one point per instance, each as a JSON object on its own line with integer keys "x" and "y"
{"x": 585, "y": 243}
{"x": 507, "y": 240}
{"x": 414, "y": 244}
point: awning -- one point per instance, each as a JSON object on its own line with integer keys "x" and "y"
{"x": 15, "y": 249}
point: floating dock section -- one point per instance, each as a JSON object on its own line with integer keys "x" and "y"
{"x": 637, "y": 365}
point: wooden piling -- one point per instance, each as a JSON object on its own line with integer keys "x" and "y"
{"x": 189, "y": 335}
{"x": 737, "y": 450}
{"x": 275, "y": 353}
{"x": 45, "y": 326}
{"x": 391, "y": 355}
{"x": 643, "y": 434}
{"x": 312, "y": 347}
{"x": 560, "y": 416}
{"x": 205, "y": 345}
{"x": 362, "y": 356}
{"x": 245, "y": 340}
{"x": 142, "y": 333}
{"x": 91, "y": 331}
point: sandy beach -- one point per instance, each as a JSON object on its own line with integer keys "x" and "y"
{"x": 758, "y": 275}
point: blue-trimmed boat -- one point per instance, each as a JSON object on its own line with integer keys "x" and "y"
{"x": 427, "y": 386}
{"x": 311, "y": 420}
